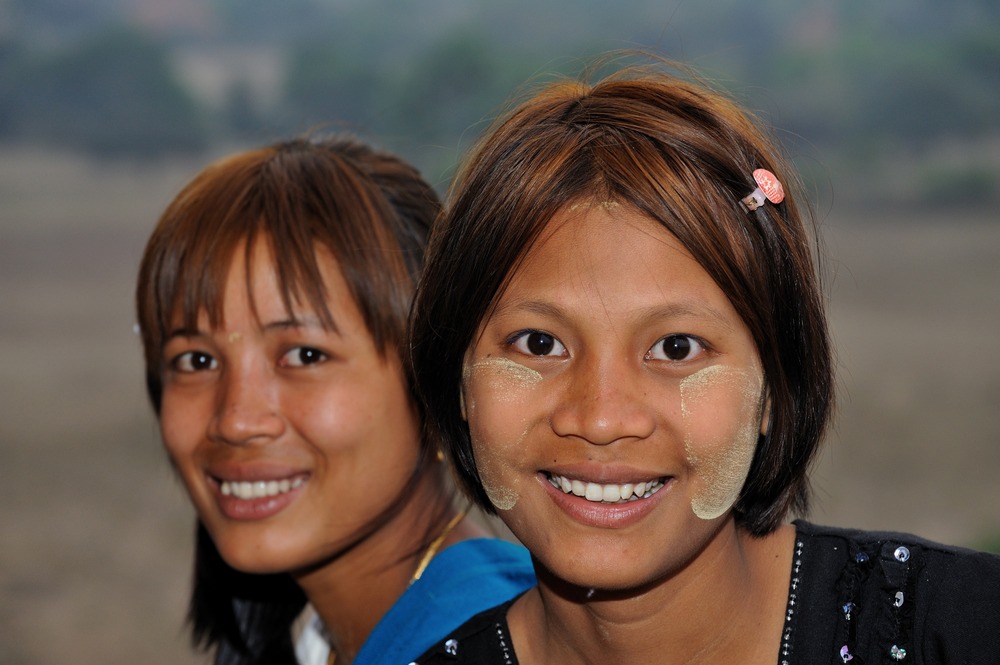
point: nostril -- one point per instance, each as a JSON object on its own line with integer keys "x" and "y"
{"x": 246, "y": 423}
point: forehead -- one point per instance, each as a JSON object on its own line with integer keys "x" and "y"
{"x": 614, "y": 257}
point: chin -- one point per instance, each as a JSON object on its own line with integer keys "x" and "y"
{"x": 256, "y": 562}
{"x": 580, "y": 582}
{"x": 257, "y": 556}
{"x": 590, "y": 569}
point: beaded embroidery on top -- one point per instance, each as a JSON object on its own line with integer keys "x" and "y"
{"x": 786, "y": 635}
{"x": 501, "y": 636}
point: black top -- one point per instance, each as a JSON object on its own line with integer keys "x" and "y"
{"x": 861, "y": 597}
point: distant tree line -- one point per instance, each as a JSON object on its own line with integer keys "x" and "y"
{"x": 883, "y": 85}
{"x": 110, "y": 95}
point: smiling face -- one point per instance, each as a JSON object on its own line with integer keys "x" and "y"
{"x": 289, "y": 437}
{"x": 614, "y": 401}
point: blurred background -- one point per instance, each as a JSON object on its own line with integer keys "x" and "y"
{"x": 890, "y": 110}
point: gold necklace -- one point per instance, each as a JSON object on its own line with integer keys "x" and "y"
{"x": 434, "y": 546}
{"x": 425, "y": 560}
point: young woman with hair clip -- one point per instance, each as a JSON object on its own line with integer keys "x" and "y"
{"x": 621, "y": 339}
{"x": 272, "y": 301}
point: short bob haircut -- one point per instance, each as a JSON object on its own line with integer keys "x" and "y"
{"x": 372, "y": 212}
{"x": 682, "y": 155}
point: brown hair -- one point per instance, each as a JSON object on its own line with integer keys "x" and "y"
{"x": 371, "y": 210}
{"x": 682, "y": 155}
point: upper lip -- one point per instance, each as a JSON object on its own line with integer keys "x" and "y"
{"x": 254, "y": 472}
{"x": 604, "y": 474}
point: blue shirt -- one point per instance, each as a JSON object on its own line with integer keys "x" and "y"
{"x": 461, "y": 581}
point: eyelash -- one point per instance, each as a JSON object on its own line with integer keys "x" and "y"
{"x": 316, "y": 356}
{"x": 191, "y": 362}
{"x": 691, "y": 340}
{"x": 184, "y": 364}
{"x": 695, "y": 344}
{"x": 524, "y": 335}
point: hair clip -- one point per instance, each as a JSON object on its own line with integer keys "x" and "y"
{"x": 768, "y": 189}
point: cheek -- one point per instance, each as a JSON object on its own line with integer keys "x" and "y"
{"x": 499, "y": 394}
{"x": 182, "y": 427}
{"x": 360, "y": 427}
{"x": 721, "y": 412}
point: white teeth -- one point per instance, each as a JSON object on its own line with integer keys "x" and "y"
{"x": 611, "y": 493}
{"x": 259, "y": 489}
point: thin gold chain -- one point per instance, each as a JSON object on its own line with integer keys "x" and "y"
{"x": 435, "y": 546}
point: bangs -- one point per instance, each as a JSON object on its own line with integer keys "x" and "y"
{"x": 198, "y": 285}
{"x": 296, "y": 197}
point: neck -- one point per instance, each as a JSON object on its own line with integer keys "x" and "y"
{"x": 354, "y": 589}
{"x": 727, "y": 605}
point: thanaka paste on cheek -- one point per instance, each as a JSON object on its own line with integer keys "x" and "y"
{"x": 503, "y": 381}
{"x": 507, "y": 378}
{"x": 490, "y": 473}
{"x": 721, "y": 465}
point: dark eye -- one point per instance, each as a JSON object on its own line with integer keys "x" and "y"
{"x": 676, "y": 348}
{"x": 535, "y": 343}
{"x": 194, "y": 361}
{"x": 301, "y": 356}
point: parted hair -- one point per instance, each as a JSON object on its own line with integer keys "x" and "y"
{"x": 683, "y": 155}
{"x": 372, "y": 211}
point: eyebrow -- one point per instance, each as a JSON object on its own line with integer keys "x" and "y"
{"x": 310, "y": 321}
{"x": 674, "y": 310}
{"x": 686, "y": 309}
{"x": 291, "y": 323}
{"x": 182, "y": 332}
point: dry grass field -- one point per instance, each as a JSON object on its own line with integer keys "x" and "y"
{"x": 96, "y": 534}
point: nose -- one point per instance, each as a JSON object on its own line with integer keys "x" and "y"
{"x": 603, "y": 402}
{"x": 248, "y": 410}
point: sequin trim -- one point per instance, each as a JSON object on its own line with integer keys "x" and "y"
{"x": 504, "y": 644}
{"x": 793, "y": 596}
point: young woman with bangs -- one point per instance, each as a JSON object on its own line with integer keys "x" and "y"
{"x": 621, "y": 338}
{"x": 272, "y": 302}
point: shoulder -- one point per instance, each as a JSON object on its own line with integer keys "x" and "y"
{"x": 903, "y": 554}
{"x": 483, "y": 640}
{"x": 897, "y": 593}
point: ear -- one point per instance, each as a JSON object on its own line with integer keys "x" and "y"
{"x": 765, "y": 416}
{"x": 461, "y": 385}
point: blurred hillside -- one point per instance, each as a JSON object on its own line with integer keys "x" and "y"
{"x": 892, "y": 103}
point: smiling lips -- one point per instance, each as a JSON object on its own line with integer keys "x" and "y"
{"x": 258, "y": 498}
{"x": 607, "y": 493}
